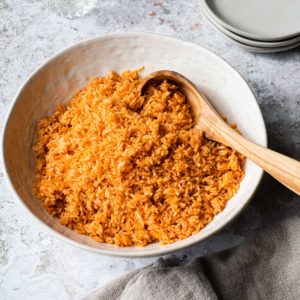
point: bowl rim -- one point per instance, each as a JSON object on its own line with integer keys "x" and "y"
{"x": 122, "y": 253}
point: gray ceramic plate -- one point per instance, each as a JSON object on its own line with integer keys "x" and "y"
{"x": 266, "y": 20}
{"x": 248, "y": 47}
{"x": 258, "y": 44}
{"x": 258, "y": 49}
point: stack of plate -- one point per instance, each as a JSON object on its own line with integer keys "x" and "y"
{"x": 256, "y": 25}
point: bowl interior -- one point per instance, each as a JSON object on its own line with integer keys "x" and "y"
{"x": 63, "y": 75}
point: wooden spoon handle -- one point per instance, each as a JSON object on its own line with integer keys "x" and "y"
{"x": 283, "y": 168}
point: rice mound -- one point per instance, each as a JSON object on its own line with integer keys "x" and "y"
{"x": 130, "y": 170}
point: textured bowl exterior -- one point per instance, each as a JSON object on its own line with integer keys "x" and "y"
{"x": 59, "y": 78}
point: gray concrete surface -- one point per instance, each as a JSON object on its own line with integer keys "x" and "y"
{"x": 35, "y": 265}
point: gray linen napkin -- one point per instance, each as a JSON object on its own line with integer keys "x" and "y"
{"x": 265, "y": 267}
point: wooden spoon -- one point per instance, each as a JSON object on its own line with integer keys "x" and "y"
{"x": 284, "y": 169}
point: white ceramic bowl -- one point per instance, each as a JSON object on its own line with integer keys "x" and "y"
{"x": 70, "y": 70}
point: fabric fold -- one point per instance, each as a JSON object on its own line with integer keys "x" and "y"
{"x": 267, "y": 266}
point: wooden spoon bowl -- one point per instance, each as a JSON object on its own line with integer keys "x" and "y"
{"x": 285, "y": 169}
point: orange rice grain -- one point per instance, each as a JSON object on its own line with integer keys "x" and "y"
{"x": 130, "y": 170}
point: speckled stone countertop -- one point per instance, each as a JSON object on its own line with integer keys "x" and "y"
{"x": 35, "y": 265}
